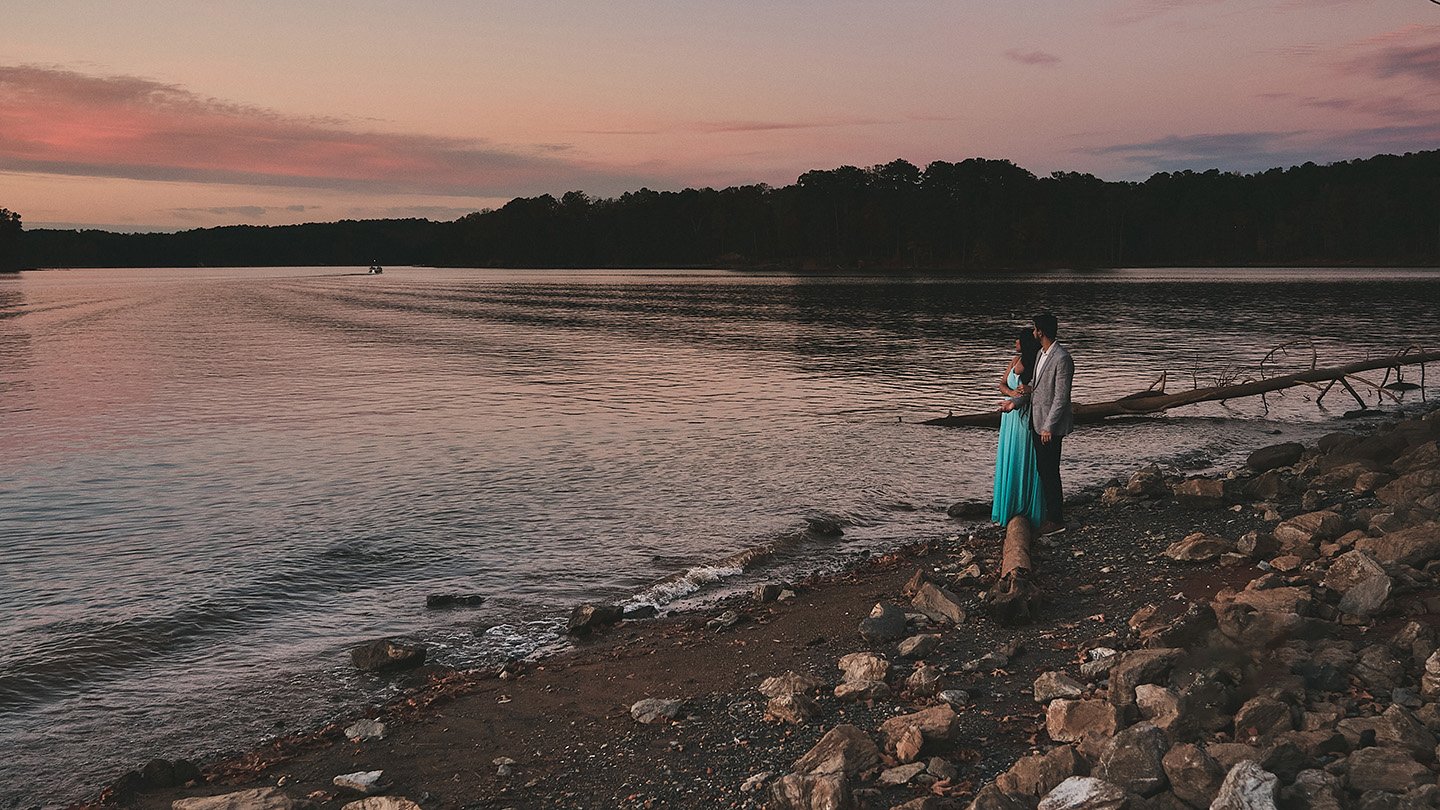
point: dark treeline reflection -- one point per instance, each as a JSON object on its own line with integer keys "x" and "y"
{"x": 972, "y": 215}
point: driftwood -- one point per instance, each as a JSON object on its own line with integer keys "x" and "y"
{"x": 1014, "y": 597}
{"x": 1154, "y": 401}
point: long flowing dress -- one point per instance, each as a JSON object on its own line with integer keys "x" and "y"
{"x": 1017, "y": 479}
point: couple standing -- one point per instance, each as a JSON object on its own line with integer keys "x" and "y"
{"x": 1035, "y": 417}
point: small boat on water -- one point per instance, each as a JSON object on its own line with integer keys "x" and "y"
{"x": 376, "y": 269}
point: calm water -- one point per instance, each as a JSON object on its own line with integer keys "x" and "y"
{"x": 213, "y": 482}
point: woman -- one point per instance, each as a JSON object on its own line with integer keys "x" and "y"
{"x": 1017, "y": 479}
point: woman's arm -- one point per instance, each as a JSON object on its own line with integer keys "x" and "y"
{"x": 1005, "y": 379}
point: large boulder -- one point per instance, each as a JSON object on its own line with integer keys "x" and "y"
{"x": 793, "y": 708}
{"x": 1310, "y": 529}
{"x": 1247, "y": 787}
{"x": 1085, "y": 793}
{"x": 935, "y": 724}
{"x": 1362, "y": 582}
{"x": 1389, "y": 769}
{"x": 586, "y": 619}
{"x": 266, "y": 798}
{"x": 886, "y": 622}
{"x": 1052, "y": 685}
{"x": 1038, "y": 774}
{"x": 802, "y": 791}
{"x": 1200, "y": 493}
{"x": 860, "y": 667}
{"x": 1146, "y": 482}
{"x": 939, "y": 604}
{"x": 791, "y": 683}
{"x": 1413, "y": 546}
{"x": 1133, "y": 760}
{"x": 1314, "y": 790}
{"x": 387, "y": 653}
{"x": 1199, "y": 547}
{"x": 844, "y": 750}
{"x": 1194, "y": 775}
{"x": 1140, "y": 666}
{"x": 1419, "y": 488}
{"x": 1073, "y": 720}
{"x": 1276, "y": 455}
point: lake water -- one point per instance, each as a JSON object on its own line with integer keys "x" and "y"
{"x": 214, "y": 482}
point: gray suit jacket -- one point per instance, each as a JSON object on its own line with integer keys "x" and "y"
{"x": 1050, "y": 394}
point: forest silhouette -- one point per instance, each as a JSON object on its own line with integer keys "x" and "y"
{"x": 973, "y": 215}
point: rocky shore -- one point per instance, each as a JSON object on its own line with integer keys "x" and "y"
{"x": 1261, "y": 639}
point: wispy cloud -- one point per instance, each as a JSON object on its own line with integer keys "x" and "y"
{"x": 1032, "y": 57}
{"x": 246, "y": 211}
{"x": 59, "y": 121}
{"x": 1257, "y": 151}
{"x": 721, "y": 127}
{"x": 1411, "y": 52}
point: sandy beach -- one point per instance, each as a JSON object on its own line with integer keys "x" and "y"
{"x": 1221, "y": 569}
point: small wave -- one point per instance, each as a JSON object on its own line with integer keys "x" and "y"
{"x": 667, "y": 591}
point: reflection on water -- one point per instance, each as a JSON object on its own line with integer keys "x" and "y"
{"x": 211, "y": 477}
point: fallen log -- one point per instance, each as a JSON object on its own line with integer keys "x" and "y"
{"x": 1013, "y": 597}
{"x": 1158, "y": 401}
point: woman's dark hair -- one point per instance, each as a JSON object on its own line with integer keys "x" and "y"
{"x": 1029, "y": 350}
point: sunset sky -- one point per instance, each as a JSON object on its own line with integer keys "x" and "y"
{"x": 170, "y": 115}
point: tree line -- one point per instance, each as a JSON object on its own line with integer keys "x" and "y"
{"x": 976, "y": 214}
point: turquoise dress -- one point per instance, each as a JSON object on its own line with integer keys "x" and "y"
{"x": 1017, "y": 479}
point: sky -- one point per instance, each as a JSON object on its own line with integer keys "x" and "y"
{"x": 151, "y": 115}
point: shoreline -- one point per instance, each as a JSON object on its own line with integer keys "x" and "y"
{"x": 555, "y": 717}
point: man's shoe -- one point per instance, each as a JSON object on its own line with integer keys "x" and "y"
{"x": 1050, "y": 527}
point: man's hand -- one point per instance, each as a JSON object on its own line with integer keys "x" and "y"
{"x": 1044, "y": 437}
{"x": 1008, "y": 405}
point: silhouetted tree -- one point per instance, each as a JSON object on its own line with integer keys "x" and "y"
{"x": 11, "y": 232}
{"x": 976, "y": 214}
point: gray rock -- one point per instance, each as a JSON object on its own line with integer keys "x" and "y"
{"x": 1247, "y": 787}
{"x": 655, "y": 710}
{"x": 1146, "y": 482}
{"x": 942, "y": 769}
{"x": 365, "y": 783}
{"x": 1198, "y": 547}
{"x": 725, "y": 620}
{"x": 939, "y": 604}
{"x": 991, "y": 797}
{"x": 956, "y": 698}
{"x": 1313, "y": 790}
{"x": 1362, "y": 581}
{"x": 901, "y": 774}
{"x": 266, "y": 798}
{"x": 1194, "y": 775}
{"x": 1052, "y": 685}
{"x": 919, "y": 646}
{"x": 886, "y": 622}
{"x": 1133, "y": 760}
{"x": 1084, "y": 793}
{"x": 387, "y": 654}
{"x": 365, "y": 730}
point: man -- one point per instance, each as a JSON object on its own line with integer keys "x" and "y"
{"x": 1050, "y": 416}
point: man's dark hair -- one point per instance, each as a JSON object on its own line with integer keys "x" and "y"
{"x": 1047, "y": 324}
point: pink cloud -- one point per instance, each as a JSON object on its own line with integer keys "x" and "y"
{"x": 1032, "y": 57}
{"x": 63, "y": 122}
{"x": 1412, "y": 52}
